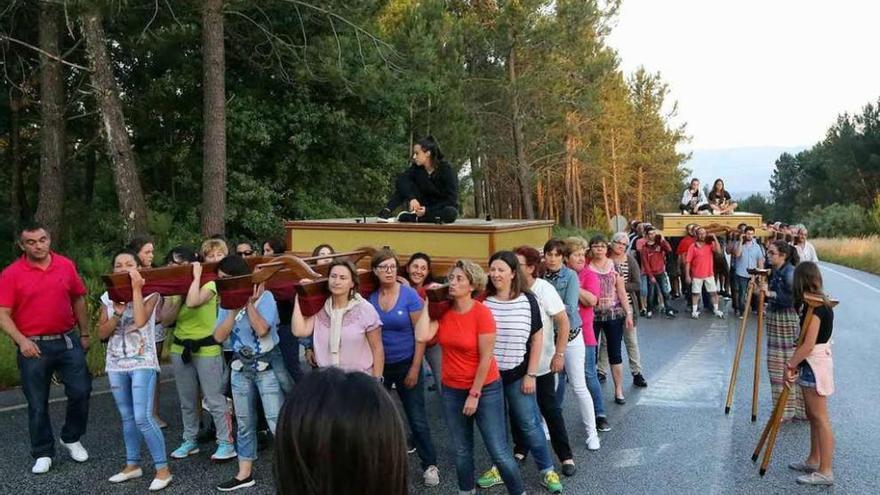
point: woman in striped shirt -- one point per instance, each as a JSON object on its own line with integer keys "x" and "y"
{"x": 518, "y": 342}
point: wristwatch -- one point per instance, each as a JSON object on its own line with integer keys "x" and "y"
{"x": 560, "y": 354}
{"x": 533, "y": 375}
{"x": 475, "y": 394}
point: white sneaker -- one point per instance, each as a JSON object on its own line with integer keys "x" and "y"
{"x": 432, "y": 476}
{"x": 123, "y": 476}
{"x": 158, "y": 484}
{"x": 42, "y": 465}
{"x": 593, "y": 443}
{"x": 719, "y": 313}
{"x": 77, "y": 451}
{"x": 695, "y": 315}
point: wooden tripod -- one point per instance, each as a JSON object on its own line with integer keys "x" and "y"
{"x": 757, "y": 276}
{"x": 768, "y": 436}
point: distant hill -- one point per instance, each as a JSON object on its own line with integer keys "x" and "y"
{"x": 745, "y": 171}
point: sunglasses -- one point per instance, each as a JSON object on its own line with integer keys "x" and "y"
{"x": 244, "y": 253}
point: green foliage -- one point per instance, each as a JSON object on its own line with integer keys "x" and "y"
{"x": 757, "y": 203}
{"x": 837, "y": 220}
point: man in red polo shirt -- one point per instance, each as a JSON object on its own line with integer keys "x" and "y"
{"x": 699, "y": 270}
{"x": 42, "y": 299}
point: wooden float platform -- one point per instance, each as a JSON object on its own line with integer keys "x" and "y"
{"x": 467, "y": 238}
{"x": 673, "y": 224}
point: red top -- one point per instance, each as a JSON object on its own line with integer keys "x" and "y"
{"x": 653, "y": 257}
{"x": 459, "y": 338}
{"x": 701, "y": 261}
{"x": 41, "y": 300}
{"x": 589, "y": 281}
{"x": 684, "y": 245}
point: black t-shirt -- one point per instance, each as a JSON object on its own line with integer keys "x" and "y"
{"x": 718, "y": 199}
{"x": 826, "y": 317}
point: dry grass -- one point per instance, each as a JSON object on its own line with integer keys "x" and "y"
{"x": 862, "y": 253}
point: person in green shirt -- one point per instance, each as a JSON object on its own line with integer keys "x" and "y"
{"x": 198, "y": 361}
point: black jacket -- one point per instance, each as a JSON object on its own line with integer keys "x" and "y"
{"x": 435, "y": 190}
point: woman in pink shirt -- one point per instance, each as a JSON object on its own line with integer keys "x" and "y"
{"x": 347, "y": 331}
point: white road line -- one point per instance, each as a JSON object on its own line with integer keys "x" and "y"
{"x": 695, "y": 380}
{"x": 851, "y": 279}
{"x": 64, "y": 398}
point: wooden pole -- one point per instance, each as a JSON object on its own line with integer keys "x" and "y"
{"x": 756, "y": 381}
{"x": 772, "y": 427}
{"x": 739, "y": 347}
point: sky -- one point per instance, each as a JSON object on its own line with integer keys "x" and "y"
{"x": 756, "y": 73}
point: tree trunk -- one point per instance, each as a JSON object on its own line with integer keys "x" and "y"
{"x": 640, "y": 214}
{"x": 17, "y": 198}
{"x": 477, "y": 178}
{"x": 89, "y": 182}
{"x": 615, "y": 174}
{"x": 214, "y": 167}
{"x": 50, "y": 204}
{"x": 605, "y": 198}
{"x": 524, "y": 174}
{"x": 128, "y": 186}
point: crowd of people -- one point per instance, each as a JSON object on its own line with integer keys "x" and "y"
{"x": 501, "y": 356}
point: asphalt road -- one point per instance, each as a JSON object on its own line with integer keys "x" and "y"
{"x": 672, "y": 437}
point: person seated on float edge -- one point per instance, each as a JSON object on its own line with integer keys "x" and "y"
{"x": 258, "y": 374}
{"x": 719, "y": 199}
{"x": 428, "y": 190}
{"x": 693, "y": 200}
{"x": 328, "y": 405}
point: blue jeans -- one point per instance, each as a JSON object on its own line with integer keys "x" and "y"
{"x": 247, "y": 388}
{"x": 592, "y": 382}
{"x": 413, "y": 400}
{"x": 289, "y": 345}
{"x": 133, "y": 393}
{"x": 613, "y": 330}
{"x": 493, "y": 428}
{"x": 741, "y": 289}
{"x": 523, "y": 410}
{"x": 660, "y": 285}
{"x": 65, "y": 356}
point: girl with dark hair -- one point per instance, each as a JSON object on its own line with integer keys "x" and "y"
{"x": 782, "y": 324}
{"x": 556, "y": 330}
{"x": 273, "y": 247}
{"x": 520, "y": 337}
{"x": 347, "y": 331}
{"x": 132, "y": 366}
{"x": 613, "y": 312}
{"x": 418, "y": 274}
{"x": 399, "y": 308}
{"x": 428, "y": 190}
{"x": 719, "y": 199}
{"x": 812, "y": 368}
{"x": 143, "y": 246}
{"x": 472, "y": 388}
{"x": 329, "y": 405}
{"x": 323, "y": 250}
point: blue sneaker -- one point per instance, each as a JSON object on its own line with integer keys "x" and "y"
{"x": 224, "y": 452}
{"x": 186, "y": 449}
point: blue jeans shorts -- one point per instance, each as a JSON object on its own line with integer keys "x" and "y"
{"x": 807, "y": 378}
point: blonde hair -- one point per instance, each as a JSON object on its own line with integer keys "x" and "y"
{"x": 214, "y": 245}
{"x": 575, "y": 243}
{"x": 474, "y": 273}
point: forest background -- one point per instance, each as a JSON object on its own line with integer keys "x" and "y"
{"x": 184, "y": 119}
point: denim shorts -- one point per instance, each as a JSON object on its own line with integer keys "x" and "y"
{"x": 807, "y": 378}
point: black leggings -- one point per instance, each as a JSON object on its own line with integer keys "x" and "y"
{"x": 613, "y": 336}
{"x": 545, "y": 392}
{"x": 433, "y": 213}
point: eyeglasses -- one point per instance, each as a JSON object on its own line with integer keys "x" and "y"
{"x": 619, "y": 243}
{"x": 244, "y": 253}
{"x": 772, "y": 253}
{"x": 386, "y": 268}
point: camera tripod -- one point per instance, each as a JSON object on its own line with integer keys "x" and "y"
{"x": 757, "y": 277}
